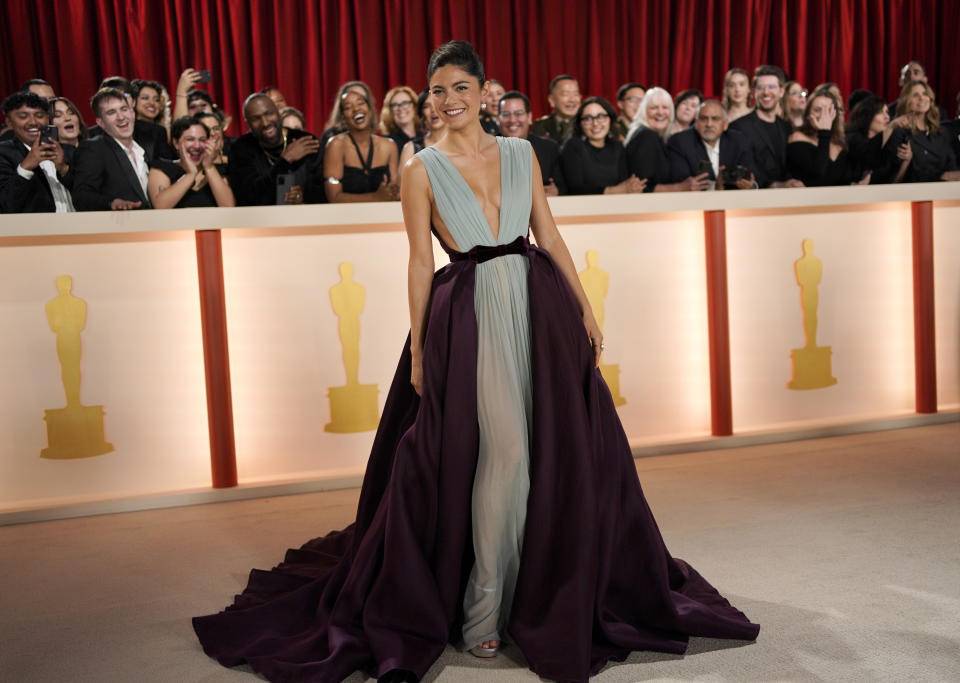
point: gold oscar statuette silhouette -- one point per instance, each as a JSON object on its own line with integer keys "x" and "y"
{"x": 811, "y": 364}
{"x": 595, "y": 283}
{"x": 77, "y": 430}
{"x": 353, "y": 407}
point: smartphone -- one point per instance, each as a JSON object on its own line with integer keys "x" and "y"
{"x": 284, "y": 182}
{"x": 204, "y": 76}
{"x": 48, "y": 133}
{"x": 705, "y": 167}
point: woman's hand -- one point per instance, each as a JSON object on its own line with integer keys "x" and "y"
{"x": 188, "y": 79}
{"x": 210, "y": 153}
{"x": 595, "y": 335}
{"x": 823, "y": 120}
{"x": 628, "y": 186}
{"x": 387, "y": 192}
{"x": 416, "y": 372}
{"x": 905, "y": 152}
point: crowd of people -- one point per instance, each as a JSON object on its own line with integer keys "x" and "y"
{"x": 150, "y": 150}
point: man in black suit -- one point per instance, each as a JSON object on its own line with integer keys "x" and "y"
{"x": 515, "y": 123}
{"x": 269, "y": 155}
{"x": 151, "y": 136}
{"x": 690, "y": 151}
{"x": 111, "y": 169}
{"x": 766, "y": 132}
{"x": 35, "y": 171}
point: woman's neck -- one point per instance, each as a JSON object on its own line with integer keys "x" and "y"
{"x": 408, "y": 129}
{"x": 919, "y": 121}
{"x": 360, "y": 136}
{"x": 467, "y": 141}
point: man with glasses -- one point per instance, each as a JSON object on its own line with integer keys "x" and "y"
{"x": 514, "y": 118}
{"x": 767, "y": 133}
{"x": 629, "y": 96}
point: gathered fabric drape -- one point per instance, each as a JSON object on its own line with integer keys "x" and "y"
{"x": 309, "y": 47}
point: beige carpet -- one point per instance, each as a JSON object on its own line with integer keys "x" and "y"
{"x": 846, "y": 550}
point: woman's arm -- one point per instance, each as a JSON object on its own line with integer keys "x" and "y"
{"x": 162, "y": 194}
{"x": 549, "y": 239}
{"x": 406, "y": 154}
{"x": 415, "y": 202}
{"x": 218, "y": 184}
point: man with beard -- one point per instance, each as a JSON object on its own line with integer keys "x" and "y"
{"x": 707, "y": 142}
{"x": 270, "y": 155}
{"x": 111, "y": 169}
{"x": 564, "y": 97}
{"x": 35, "y": 172}
{"x": 767, "y": 133}
{"x": 514, "y": 114}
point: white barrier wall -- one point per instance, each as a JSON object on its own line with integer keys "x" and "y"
{"x": 142, "y": 354}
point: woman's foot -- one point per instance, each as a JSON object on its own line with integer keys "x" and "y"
{"x": 487, "y": 648}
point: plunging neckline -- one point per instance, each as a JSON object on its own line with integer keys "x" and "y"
{"x": 476, "y": 199}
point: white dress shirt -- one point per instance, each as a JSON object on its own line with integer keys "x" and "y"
{"x": 61, "y": 195}
{"x": 713, "y": 154}
{"x": 138, "y": 160}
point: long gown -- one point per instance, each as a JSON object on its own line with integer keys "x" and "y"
{"x": 579, "y": 571}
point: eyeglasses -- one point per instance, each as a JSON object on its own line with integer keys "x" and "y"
{"x": 512, "y": 114}
{"x": 401, "y": 105}
{"x": 599, "y": 118}
{"x": 633, "y": 99}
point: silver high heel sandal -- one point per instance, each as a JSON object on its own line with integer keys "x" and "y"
{"x": 484, "y": 652}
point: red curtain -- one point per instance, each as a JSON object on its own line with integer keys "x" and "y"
{"x": 307, "y": 48}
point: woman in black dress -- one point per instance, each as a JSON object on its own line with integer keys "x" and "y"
{"x": 817, "y": 151}
{"x": 358, "y": 165}
{"x": 933, "y": 158}
{"x": 870, "y": 136}
{"x": 194, "y": 179}
{"x": 593, "y": 160}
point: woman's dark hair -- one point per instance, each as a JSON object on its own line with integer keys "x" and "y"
{"x": 457, "y": 53}
{"x": 181, "y": 125}
{"x": 686, "y": 95}
{"x": 422, "y": 101}
{"x": 84, "y": 133}
{"x": 863, "y": 113}
{"x": 607, "y": 107}
{"x": 139, "y": 84}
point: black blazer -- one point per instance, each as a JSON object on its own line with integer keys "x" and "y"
{"x": 952, "y": 130}
{"x": 685, "y": 151}
{"x": 932, "y": 155}
{"x": 102, "y": 173}
{"x": 151, "y": 136}
{"x": 768, "y": 146}
{"x": 19, "y": 195}
{"x": 548, "y": 156}
{"x": 254, "y": 180}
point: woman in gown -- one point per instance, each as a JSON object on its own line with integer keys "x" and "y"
{"x": 501, "y": 499}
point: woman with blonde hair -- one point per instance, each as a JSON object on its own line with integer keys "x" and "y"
{"x": 736, "y": 94}
{"x": 933, "y": 157}
{"x": 399, "y": 118}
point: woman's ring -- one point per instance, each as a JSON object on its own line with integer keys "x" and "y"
{"x": 603, "y": 346}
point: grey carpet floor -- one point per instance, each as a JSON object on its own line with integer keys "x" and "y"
{"x": 846, "y": 550}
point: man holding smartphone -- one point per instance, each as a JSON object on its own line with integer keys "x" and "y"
{"x": 35, "y": 170}
{"x": 271, "y": 164}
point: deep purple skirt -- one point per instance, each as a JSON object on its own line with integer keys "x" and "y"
{"x": 596, "y": 580}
